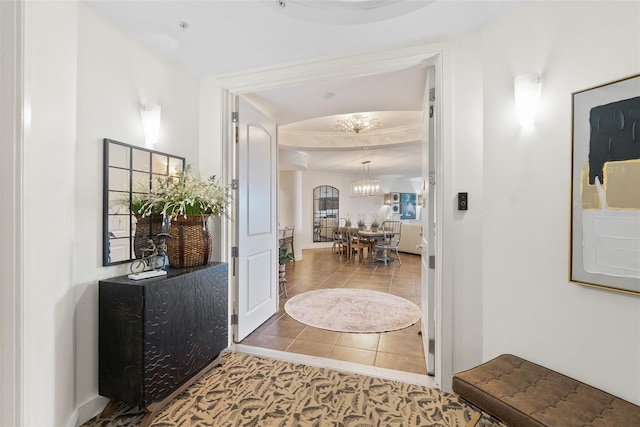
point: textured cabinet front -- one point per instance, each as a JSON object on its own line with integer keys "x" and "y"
{"x": 157, "y": 333}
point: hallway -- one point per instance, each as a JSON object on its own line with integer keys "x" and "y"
{"x": 321, "y": 268}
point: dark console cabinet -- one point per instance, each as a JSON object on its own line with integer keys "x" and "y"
{"x": 157, "y": 334}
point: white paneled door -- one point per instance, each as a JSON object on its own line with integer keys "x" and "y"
{"x": 256, "y": 227}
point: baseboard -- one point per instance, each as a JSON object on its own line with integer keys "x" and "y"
{"x": 317, "y": 245}
{"x": 90, "y": 409}
{"x": 73, "y": 421}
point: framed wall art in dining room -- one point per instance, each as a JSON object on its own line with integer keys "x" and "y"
{"x": 408, "y": 203}
{"x": 605, "y": 186}
{"x": 395, "y": 203}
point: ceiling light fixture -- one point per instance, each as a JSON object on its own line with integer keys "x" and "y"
{"x": 366, "y": 187}
{"x": 356, "y": 123}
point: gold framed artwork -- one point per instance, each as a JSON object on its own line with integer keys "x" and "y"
{"x": 605, "y": 186}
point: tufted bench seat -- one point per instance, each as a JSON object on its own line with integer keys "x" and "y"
{"x": 522, "y": 394}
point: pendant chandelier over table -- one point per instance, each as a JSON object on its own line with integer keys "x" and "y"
{"x": 357, "y": 123}
{"x": 366, "y": 187}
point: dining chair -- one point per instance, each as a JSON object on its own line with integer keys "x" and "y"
{"x": 337, "y": 246}
{"x": 287, "y": 239}
{"x": 389, "y": 241}
{"x": 345, "y": 237}
{"x": 360, "y": 243}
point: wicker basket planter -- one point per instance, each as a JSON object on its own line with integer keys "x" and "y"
{"x": 190, "y": 242}
{"x": 147, "y": 227}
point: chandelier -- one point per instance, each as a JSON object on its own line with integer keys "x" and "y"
{"x": 366, "y": 187}
{"x": 356, "y": 123}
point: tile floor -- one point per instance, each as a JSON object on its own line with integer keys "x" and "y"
{"x": 321, "y": 268}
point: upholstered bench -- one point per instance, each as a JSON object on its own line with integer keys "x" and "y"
{"x": 522, "y": 394}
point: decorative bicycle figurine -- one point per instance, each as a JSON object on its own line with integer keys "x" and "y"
{"x": 153, "y": 257}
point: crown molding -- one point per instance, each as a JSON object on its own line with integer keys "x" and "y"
{"x": 421, "y": 54}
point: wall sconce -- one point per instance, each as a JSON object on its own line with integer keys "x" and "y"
{"x": 388, "y": 199}
{"x": 151, "y": 123}
{"x": 527, "y": 93}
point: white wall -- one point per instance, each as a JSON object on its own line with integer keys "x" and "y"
{"x": 289, "y": 204}
{"x": 466, "y": 176}
{"x": 349, "y": 207}
{"x": 289, "y": 194}
{"x": 115, "y": 77}
{"x": 211, "y": 129}
{"x": 49, "y": 212}
{"x": 529, "y": 306}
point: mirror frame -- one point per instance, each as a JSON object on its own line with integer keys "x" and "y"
{"x": 320, "y": 205}
{"x": 127, "y": 190}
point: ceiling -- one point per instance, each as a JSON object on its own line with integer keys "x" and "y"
{"x": 306, "y": 117}
{"x": 215, "y": 37}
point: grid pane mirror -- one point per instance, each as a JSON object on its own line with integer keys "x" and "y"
{"x": 129, "y": 173}
{"x": 326, "y": 204}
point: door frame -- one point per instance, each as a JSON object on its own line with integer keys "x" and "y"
{"x": 388, "y": 60}
{"x": 11, "y": 210}
{"x": 427, "y": 221}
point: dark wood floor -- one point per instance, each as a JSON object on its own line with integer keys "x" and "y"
{"x": 321, "y": 268}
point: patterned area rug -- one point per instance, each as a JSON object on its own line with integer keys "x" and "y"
{"x": 353, "y": 310}
{"x": 253, "y": 391}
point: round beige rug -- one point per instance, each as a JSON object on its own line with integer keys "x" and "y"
{"x": 352, "y": 310}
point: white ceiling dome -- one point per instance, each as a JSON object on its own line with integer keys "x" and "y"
{"x": 346, "y": 12}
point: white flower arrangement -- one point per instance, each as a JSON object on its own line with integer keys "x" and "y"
{"x": 187, "y": 194}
